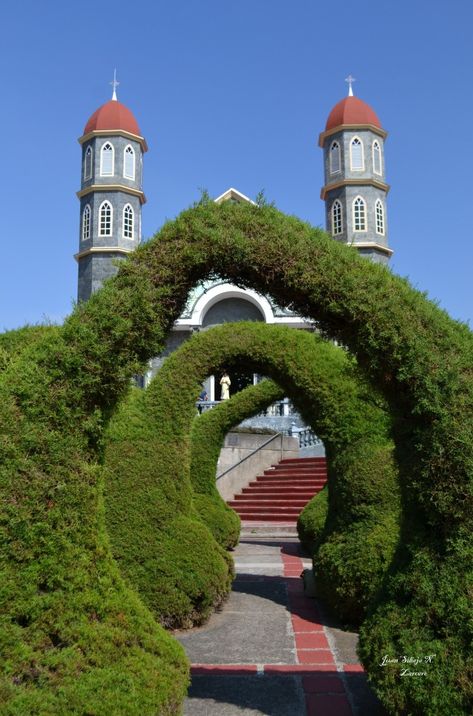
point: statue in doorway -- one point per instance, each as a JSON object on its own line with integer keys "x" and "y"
{"x": 225, "y": 383}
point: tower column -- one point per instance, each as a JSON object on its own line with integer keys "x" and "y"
{"x": 355, "y": 189}
{"x": 111, "y": 194}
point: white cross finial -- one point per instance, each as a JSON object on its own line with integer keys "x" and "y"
{"x": 114, "y": 84}
{"x": 350, "y": 81}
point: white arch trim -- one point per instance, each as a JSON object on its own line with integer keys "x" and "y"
{"x": 227, "y": 290}
{"x": 223, "y": 291}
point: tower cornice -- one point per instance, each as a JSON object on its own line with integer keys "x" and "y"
{"x": 368, "y": 181}
{"x": 102, "y": 250}
{"x": 372, "y": 245}
{"x": 112, "y": 187}
{"x": 350, "y": 127}
{"x": 114, "y": 133}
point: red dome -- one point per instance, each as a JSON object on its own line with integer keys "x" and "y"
{"x": 113, "y": 115}
{"x": 351, "y": 110}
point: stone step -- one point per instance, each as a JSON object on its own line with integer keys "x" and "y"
{"x": 294, "y": 471}
{"x": 273, "y": 495}
{"x": 269, "y": 517}
{"x": 244, "y": 504}
{"x": 303, "y": 461}
{"x": 269, "y": 510}
{"x": 290, "y": 479}
{"x": 282, "y": 492}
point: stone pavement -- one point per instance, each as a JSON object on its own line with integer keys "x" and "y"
{"x": 271, "y": 651}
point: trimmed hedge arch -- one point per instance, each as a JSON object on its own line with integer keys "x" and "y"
{"x": 207, "y": 437}
{"x": 419, "y": 357}
{"x": 162, "y": 547}
{"x": 346, "y": 414}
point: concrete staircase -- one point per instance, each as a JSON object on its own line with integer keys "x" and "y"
{"x": 282, "y": 491}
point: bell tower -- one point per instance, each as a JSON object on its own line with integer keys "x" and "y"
{"x": 355, "y": 187}
{"x": 111, "y": 194}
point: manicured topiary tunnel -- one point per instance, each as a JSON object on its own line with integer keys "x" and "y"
{"x": 346, "y": 414}
{"x": 70, "y": 628}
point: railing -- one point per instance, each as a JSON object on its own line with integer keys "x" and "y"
{"x": 204, "y": 405}
{"x": 281, "y": 408}
{"x": 307, "y": 437}
{"x": 253, "y": 452}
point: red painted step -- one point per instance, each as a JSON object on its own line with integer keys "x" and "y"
{"x": 282, "y": 491}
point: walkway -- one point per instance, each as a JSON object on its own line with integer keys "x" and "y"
{"x": 270, "y": 650}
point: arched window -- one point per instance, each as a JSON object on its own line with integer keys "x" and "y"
{"x": 359, "y": 214}
{"x": 379, "y": 217}
{"x": 86, "y": 223}
{"x": 129, "y": 162}
{"x": 128, "y": 222}
{"x": 377, "y": 163}
{"x": 334, "y": 158}
{"x": 357, "y": 160}
{"x": 106, "y": 160}
{"x": 337, "y": 220}
{"x": 88, "y": 163}
{"x": 105, "y": 219}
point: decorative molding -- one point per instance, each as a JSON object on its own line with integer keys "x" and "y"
{"x": 114, "y": 133}
{"x": 102, "y": 250}
{"x": 368, "y": 181}
{"x": 350, "y": 127}
{"x": 235, "y": 195}
{"x": 372, "y": 245}
{"x": 112, "y": 187}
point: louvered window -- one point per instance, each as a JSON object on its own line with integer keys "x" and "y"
{"x": 129, "y": 163}
{"x": 334, "y": 158}
{"x": 88, "y": 163}
{"x": 106, "y": 160}
{"x": 377, "y": 166}
{"x": 356, "y": 154}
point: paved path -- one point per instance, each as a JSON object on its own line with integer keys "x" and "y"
{"x": 270, "y": 651}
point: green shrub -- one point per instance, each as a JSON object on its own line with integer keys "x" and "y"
{"x": 325, "y": 386}
{"x": 161, "y": 546}
{"x": 311, "y": 522}
{"x": 207, "y": 438}
{"x": 56, "y": 400}
{"x": 74, "y": 637}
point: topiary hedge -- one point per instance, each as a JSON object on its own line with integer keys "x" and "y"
{"x": 326, "y": 388}
{"x": 312, "y": 520}
{"x": 74, "y": 638}
{"x": 420, "y": 359}
{"x": 161, "y": 546}
{"x": 54, "y": 409}
{"x": 207, "y": 438}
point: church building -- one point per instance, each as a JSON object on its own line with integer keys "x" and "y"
{"x": 111, "y": 199}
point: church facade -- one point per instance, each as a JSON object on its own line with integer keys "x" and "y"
{"x": 111, "y": 200}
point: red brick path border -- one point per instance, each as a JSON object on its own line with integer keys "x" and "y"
{"x": 324, "y": 689}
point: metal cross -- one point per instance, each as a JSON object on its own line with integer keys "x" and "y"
{"x": 350, "y": 81}
{"x": 114, "y": 84}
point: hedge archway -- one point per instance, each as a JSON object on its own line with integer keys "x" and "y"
{"x": 419, "y": 357}
{"x": 325, "y": 387}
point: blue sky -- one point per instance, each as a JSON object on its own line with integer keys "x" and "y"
{"x": 234, "y": 94}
